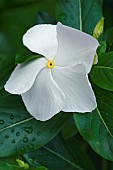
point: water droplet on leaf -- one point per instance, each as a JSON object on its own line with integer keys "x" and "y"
{"x": 18, "y": 134}
{"x": 13, "y": 141}
{"x": 28, "y": 129}
{"x": 25, "y": 139}
{"x": 1, "y": 122}
{"x": 11, "y": 117}
{"x": 23, "y": 149}
{"x": 33, "y": 139}
{"x": 30, "y": 146}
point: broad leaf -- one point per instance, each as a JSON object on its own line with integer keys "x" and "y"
{"x": 60, "y": 154}
{"x": 104, "y": 107}
{"x": 94, "y": 131}
{"x": 102, "y": 48}
{"x": 19, "y": 132}
{"x": 109, "y": 40}
{"x": 97, "y": 127}
{"x": 102, "y": 73}
{"x": 79, "y": 14}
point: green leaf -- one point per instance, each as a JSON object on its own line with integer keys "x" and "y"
{"x": 97, "y": 127}
{"x": 21, "y": 133}
{"x": 93, "y": 130}
{"x": 109, "y": 40}
{"x": 102, "y": 73}
{"x": 102, "y": 48}
{"x": 69, "y": 129}
{"x": 6, "y": 166}
{"x": 41, "y": 168}
{"x": 79, "y": 14}
{"x": 19, "y": 59}
{"x": 45, "y": 18}
{"x": 104, "y": 107}
{"x": 61, "y": 154}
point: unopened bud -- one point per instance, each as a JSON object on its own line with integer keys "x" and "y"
{"x": 26, "y": 166}
{"x": 98, "y": 28}
{"x": 22, "y": 164}
{"x": 95, "y": 61}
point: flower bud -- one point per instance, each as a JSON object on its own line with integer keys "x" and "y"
{"x": 22, "y": 164}
{"x": 95, "y": 61}
{"x": 26, "y": 166}
{"x": 98, "y": 28}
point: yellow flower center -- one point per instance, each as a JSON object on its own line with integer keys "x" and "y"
{"x": 50, "y": 64}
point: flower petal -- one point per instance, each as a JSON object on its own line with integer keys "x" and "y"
{"x": 42, "y": 39}
{"x": 74, "y": 83}
{"x": 24, "y": 76}
{"x": 44, "y": 99}
{"x": 75, "y": 47}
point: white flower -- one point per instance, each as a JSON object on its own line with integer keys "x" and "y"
{"x": 58, "y": 81}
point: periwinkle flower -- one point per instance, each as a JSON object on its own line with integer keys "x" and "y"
{"x": 58, "y": 81}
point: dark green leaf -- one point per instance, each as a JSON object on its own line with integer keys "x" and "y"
{"x": 109, "y": 40}
{"x": 97, "y": 127}
{"x": 6, "y": 166}
{"x": 94, "y": 131}
{"x": 102, "y": 48}
{"x": 19, "y": 132}
{"x": 61, "y": 154}
{"x": 102, "y": 73}
{"x": 79, "y": 14}
{"x": 26, "y": 57}
{"x": 41, "y": 168}
{"x": 105, "y": 109}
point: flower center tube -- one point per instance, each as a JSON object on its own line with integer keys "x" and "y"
{"x": 50, "y": 64}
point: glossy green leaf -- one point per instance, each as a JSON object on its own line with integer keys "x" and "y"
{"x": 79, "y": 14}
{"x": 97, "y": 127}
{"x": 94, "y": 131}
{"x": 19, "y": 59}
{"x": 104, "y": 107}
{"x": 109, "y": 40}
{"x": 102, "y": 73}
{"x": 21, "y": 133}
{"x": 102, "y": 48}
{"x": 61, "y": 154}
